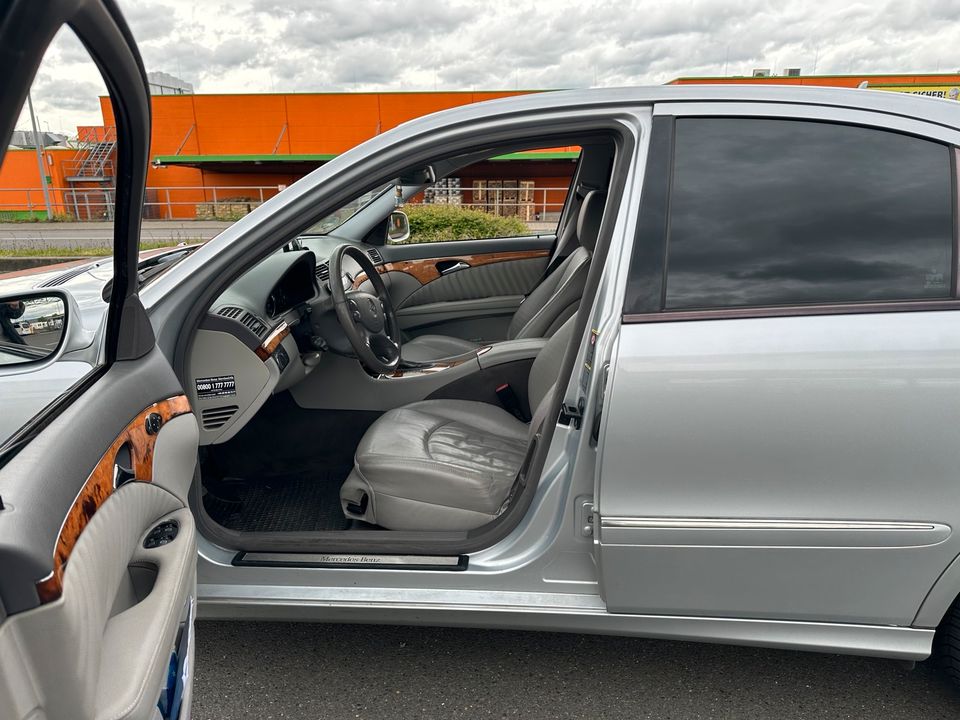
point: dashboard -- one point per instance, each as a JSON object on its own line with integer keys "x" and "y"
{"x": 265, "y": 333}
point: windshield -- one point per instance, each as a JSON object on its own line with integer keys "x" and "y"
{"x": 335, "y": 219}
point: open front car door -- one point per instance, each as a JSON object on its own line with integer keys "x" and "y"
{"x": 97, "y": 545}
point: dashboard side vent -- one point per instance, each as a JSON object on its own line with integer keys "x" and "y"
{"x": 323, "y": 272}
{"x": 216, "y": 418}
{"x": 254, "y": 324}
{"x": 375, "y": 256}
{"x": 230, "y": 312}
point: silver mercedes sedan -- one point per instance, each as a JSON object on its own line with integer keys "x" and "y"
{"x": 709, "y": 401}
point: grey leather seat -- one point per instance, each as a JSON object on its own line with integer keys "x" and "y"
{"x": 447, "y": 464}
{"x": 546, "y": 308}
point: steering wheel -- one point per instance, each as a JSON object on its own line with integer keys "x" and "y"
{"x": 368, "y": 320}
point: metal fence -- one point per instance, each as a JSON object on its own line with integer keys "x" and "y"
{"x": 232, "y": 202}
{"x": 163, "y": 203}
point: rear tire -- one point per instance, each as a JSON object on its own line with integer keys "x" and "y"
{"x": 946, "y": 643}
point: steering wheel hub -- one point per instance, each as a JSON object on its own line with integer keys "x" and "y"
{"x": 367, "y": 310}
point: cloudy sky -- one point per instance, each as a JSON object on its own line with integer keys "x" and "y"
{"x": 364, "y": 45}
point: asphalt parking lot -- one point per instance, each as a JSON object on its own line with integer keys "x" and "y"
{"x": 285, "y": 670}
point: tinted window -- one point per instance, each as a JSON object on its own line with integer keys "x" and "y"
{"x": 773, "y": 212}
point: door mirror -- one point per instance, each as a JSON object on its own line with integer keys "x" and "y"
{"x": 398, "y": 227}
{"x": 32, "y": 327}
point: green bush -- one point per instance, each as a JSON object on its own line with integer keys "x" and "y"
{"x": 436, "y": 223}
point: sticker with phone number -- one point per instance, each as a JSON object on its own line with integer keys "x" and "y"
{"x": 217, "y": 386}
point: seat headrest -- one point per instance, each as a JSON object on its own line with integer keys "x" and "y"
{"x": 588, "y": 222}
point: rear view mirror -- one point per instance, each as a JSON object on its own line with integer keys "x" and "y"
{"x": 398, "y": 227}
{"x": 32, "y": 327}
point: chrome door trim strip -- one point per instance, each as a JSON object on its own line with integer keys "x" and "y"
{"x": 351, "y": 560}
{"x": 758, "y": 524}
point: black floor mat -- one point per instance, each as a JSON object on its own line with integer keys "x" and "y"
{"x": 297, "y": 503}
{"x": 292, "y": 463}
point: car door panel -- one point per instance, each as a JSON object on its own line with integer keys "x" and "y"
{"x": 481, "y": 311}
{"x": 90, "y": 611}
{"x": 760, "y": 467}
{"x": 97, "y": 631}
{"x": 467, "y": 289}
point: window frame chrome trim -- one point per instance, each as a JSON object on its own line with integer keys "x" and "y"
{"x": 743, "y": 313}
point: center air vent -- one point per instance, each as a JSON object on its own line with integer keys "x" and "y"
{"x": 216, "y": 418}
{"x": 254, "y": 324}
{"x": 375, "y": 256}
{"x": 323, "y": 272}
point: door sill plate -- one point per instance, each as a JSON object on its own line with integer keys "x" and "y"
{"x": 351, "y": 560}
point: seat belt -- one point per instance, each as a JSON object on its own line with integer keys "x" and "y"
{"x": 510, "y": 402}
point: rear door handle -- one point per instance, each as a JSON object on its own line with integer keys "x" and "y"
{"x": 445, "y": 268}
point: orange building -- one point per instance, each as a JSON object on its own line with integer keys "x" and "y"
{"x": 217, "y": 156}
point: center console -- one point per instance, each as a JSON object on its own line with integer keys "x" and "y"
{"x": 341, "y": 383}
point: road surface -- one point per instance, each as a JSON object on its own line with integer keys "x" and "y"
{"x": 30, "y": 236}
{"x": 286, "y": 670}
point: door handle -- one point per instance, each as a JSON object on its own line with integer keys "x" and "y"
{"x": 445, "y": 269}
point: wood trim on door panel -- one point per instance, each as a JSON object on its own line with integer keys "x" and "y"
{"x": 100, "y": 484}
{"x": 425, "y": 269}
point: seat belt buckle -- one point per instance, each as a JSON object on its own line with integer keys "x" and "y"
{"x": 510, "y": 402}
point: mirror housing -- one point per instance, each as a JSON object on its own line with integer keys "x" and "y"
{"x": 398, "y": 227}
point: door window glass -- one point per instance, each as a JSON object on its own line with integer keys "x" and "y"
{"x": 782, "y": 212}
{"x": 57, "y": 201}
{"x": 511, "y": 195}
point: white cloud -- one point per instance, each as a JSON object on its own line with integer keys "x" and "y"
{"x": 323, "y": 45}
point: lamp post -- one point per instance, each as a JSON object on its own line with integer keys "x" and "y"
{"x": 43, "y": 170}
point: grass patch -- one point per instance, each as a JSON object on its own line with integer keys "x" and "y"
{"x": 85, "y": 251}
{"x": 33, "y": 216}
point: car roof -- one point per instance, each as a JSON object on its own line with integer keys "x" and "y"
{"x": 929, "y": 109}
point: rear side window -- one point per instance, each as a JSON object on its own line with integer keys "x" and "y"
{"x": 783, "y": 212}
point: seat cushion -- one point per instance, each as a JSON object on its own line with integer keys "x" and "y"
{"x": 436, "y": 465}
{"x": 427, "y": 348}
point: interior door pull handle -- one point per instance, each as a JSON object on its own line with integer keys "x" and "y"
{"x": 447, "y": 269}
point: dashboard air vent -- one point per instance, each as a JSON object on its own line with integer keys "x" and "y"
{"x": 254, "y": 324}
{"x": 230, "y": 312}
{"x": 216, "y": 418}
{"x": 375, "y": 256}
{"x": 323, "y": 272}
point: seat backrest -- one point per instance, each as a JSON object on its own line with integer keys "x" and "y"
{"x": 557, "y": 297}
{"x": 546, "y": 366}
